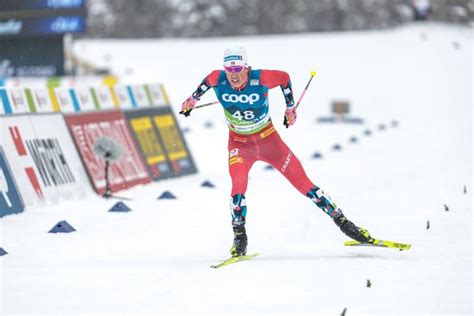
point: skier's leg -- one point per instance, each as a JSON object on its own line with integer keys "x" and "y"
{"x": 277, "y": 153}
{"x": 241, "y": 159}
{"x": 290, "y": 167}
{"x": 239, "y": 167}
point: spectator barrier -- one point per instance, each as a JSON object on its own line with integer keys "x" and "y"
{"x": 48, "y": 131}
{"x": 42, "y": 157}
{"x": 10, "y": 199}
{"x": 86, "y": 128}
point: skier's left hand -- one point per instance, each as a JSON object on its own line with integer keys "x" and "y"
{"x": 290, "y": 116}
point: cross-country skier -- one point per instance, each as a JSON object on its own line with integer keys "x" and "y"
{"x": 243, "y": 93}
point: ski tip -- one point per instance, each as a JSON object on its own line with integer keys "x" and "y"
{"x": 234, "y": 260}
{"x": 351, "y": 243}
{"x": 380, "y": 243}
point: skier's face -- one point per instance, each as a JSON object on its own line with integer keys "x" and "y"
{"x": 237, "y": 79}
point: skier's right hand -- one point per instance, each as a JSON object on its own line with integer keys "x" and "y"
{"x": 188, "y": 106}
{"x": 290, "y": 116}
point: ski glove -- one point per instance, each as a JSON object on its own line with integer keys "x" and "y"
{"x": 188, "y": 106}
{"x": 290, "y": 116}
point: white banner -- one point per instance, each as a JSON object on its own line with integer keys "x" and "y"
{"x": 43, "y": 158}
{"x": 18, "y": 101}
{"x": 157, "y": 94}
{"x": 64, "y": 98}
{"x": 13, "y": 131}
{"x": 42, "y": 100}
{"x": 66, "y": 177}
{"x": 105, "y": 98}
{"x": 123, "y": 97}
{"x": 141, "y": 98}
{"x": 84, "y": 97}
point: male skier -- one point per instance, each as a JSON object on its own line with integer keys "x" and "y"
{"x": 243, "y": 93}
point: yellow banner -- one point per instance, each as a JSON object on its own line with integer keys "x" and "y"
{"x": 171, "y": 136}
{"x": 143, "y": 128}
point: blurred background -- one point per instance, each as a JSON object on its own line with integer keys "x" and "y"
{"x": 204, "y": 18}
{"x": 44, "y": 30}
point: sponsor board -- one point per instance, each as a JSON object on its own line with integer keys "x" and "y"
{"x": 4, "y": 103}
{"x": 141, "y": 96}
{"x": 44, "y": 161}
{"x": 10, "y": 198}
{"x": 104, "y": 98}
{"x": 13, "y": 5}
{"x": 125, "y": 97}
{"x": 169, "y": 137}
{"x": 66, "y": 100}
{"x": 18, "y": 101}
{"x": 14, "y": 130}
{"x": 85, "y": 99}
{"x": 42, "y": 100}
{"x": 22, "y": 82}
{"x": 157, "y": 94}
{"x": 39, "y": 57}
{"x": 126, "y": 172}
{"x": 147, "y": 137}
{"x": 23, "y": 25}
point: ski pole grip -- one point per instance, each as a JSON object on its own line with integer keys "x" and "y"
{"x": 186, "y": 113}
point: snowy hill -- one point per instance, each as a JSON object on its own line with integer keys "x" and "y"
{"x": 155, "y": 260}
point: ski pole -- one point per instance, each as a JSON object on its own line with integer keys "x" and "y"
{"x": 313, "y": 74}
{"x": 188, "y": 112}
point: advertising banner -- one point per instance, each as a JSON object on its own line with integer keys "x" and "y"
{"x": 148, "y": 139}
{"x": 40, "y": 57}
{"x": 13, "y": 131}
{"x": 10, "y": 198}
{"x": 25, "y": 82}
{"x": 161, "y": 142}
{"x": 5, "y": 107}
{"x": 126, "y": 172}
{"x": 65, "y": 100}
{"x": 41, "y": 25}
{"x": 157, "y": 94}
{"x": 104, "y": 98}
{"x": 18, "y": 101}
{"x": 44, "y": 161}
{"x": 13, "y": 5}
{"x": 85, "y": 99}
{"x": 140, "y": 95}
{"x": 42, "y": 100}
{"x": 125, "y": 97}
{"x": 54, "y": 154}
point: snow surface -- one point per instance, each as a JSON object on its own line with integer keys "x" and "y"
{"x": 155, "y": 260}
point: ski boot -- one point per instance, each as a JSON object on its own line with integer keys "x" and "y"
{"x": 347, "y": 227}
{"x": 239, "y": 248}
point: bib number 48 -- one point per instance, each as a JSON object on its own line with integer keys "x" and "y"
{"x": 247, "y": 115}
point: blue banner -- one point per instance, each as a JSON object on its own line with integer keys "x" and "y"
{"x": 42, "y": 25}
{"x": 14, "y": 5}
{"x": 7, "y": 109}
{"x": 10, "y": 199}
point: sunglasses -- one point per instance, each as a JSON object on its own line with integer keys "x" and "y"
{"x": 234, "y": 69}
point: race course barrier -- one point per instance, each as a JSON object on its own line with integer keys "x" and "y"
{"x": 48, "y": 134}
